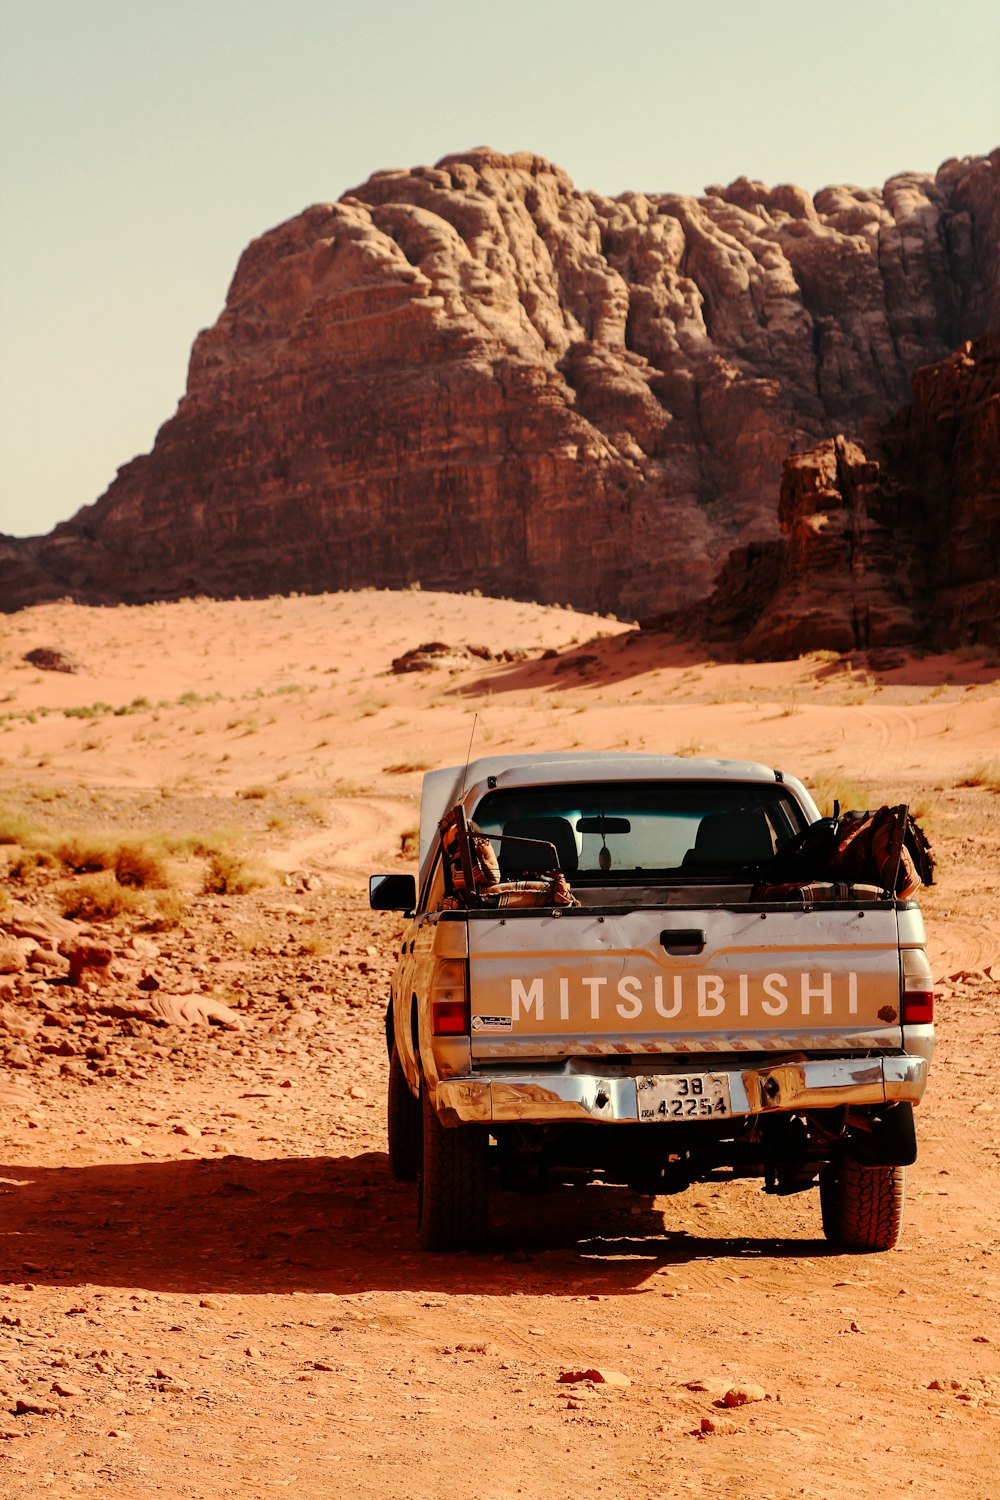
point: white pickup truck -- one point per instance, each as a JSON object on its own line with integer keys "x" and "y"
{"x": 624, "y": 990}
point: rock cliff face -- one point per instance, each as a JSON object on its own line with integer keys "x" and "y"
{"x": 897, "y": 545}
{"x": 474, "y": 375}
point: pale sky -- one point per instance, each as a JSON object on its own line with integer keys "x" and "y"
{"x": 143, "y": 143}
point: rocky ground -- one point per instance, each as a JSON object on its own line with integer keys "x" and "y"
{"x": 209, "y": 1284}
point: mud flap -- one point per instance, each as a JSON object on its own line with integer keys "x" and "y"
{"x": 891, "y": 1141}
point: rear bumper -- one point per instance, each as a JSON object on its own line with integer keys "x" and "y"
{"x": 790, "y": 1086}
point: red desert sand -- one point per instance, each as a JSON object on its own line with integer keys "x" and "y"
{"x": 210, "y": 1283}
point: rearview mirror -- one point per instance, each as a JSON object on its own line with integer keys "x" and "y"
{"x": 603, "y": 825}
{"x": 392, "y": 892}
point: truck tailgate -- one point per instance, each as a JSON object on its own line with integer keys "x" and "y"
{"x": 676, "y": 980}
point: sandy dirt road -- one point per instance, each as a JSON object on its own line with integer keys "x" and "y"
{"x": 209, "y": 1284}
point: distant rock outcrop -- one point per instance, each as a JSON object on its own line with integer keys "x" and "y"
{"x": 898, "y": 548}
{"x": 474, "y": 375}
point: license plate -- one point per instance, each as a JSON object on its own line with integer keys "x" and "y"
{"x": 683, "y": 1096}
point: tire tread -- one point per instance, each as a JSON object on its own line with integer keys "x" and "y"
{"x": 454, "y": 1183}
{"x": 402, "y": 1124}
{"x": 863, "y": 1207}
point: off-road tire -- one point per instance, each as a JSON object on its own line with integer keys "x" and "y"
{"x": 403, "y": 1124}
{"x": 863, "y": 1207}
{"x": 453, "y": 1196}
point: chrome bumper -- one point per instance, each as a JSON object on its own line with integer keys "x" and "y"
{"x": 789, "y": 1086}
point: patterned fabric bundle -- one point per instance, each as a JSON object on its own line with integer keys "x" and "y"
{"x": 551, "y": 892}
{"x": 487, "y": 889}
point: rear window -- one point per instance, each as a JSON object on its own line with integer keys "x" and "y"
{"x": 619, "y": 832}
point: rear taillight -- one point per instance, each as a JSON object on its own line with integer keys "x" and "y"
{"x": 917, "y": 1006}
{"x": 449, "y": 1007}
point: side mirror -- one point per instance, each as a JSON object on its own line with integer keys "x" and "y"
{"x": 392, "y": 892}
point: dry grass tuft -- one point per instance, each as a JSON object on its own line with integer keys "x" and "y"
{"x": 986, "y": 774}
{"x": 98, "y": 898}
{"x": 313, "y": 807}
{"x": 83, "y": 853}
{"x": 138, "y": 865}
{"x": 827, "y": 788}
{"x": 15, "y": 828}
{"x": 170, "y": 911}
{"x": 344, "y": 788}
{"x": 230, "y": 873}
{"x": 29, "y": 861}
{"x": 409, "y": 842}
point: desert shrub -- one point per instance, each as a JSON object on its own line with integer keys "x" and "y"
{"x": 409, "y": 842}
{"x": 137, "y": 706}
{"x": 405, "y": 766}
{"x": 96, "y": 898}
{"x": 29, "y": 861}
{"x": 230, "y": 873}
{"x": 88, "y": 711}
{"x": 311, "y": 806}
{"x": 215, "y": 841}
{"x": 15, "y": 828}
{"x": 344, "y": 788}
{"x": 170, "y": 911}
{"x": 83, "y": 853}
{"x": 987, "y": 655}
{"x": 253, "y": 793}
{"x": 827, "y": 788}
{"x": 986, "y": 774}
{"x": 139, "y": 865}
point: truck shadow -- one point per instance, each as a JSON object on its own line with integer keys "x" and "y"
{"x": 341, "y": 1224}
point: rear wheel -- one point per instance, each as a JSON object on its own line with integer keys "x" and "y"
{"x": 403, "y": 1123}
{"x": 453, "y": 1200}
{"x": 863, "y": 1207}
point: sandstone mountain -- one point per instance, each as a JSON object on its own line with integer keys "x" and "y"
{"x": 476, "y": 376}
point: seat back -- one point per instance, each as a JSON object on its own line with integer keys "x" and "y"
{"x": 731, "y": 838}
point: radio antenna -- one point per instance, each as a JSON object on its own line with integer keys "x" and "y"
{"x": 468, "y": 757}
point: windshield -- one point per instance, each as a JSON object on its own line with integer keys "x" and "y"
{"x": 618, "y": 832}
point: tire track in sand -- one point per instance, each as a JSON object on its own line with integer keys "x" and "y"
{"x": 363, "y": 835}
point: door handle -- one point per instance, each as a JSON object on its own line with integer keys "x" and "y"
{"x": 681, "y": 940}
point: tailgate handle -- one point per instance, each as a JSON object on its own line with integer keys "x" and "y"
{"x": 683, "y": 939}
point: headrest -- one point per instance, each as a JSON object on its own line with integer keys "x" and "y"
{"x": 518, "y": 859}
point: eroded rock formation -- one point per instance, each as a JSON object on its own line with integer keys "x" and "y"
{"x": 474, "y": 375}
{"x": 896, "y": 545}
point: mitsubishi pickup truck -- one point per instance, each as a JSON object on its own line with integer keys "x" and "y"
{"x": 600, "y": 975}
